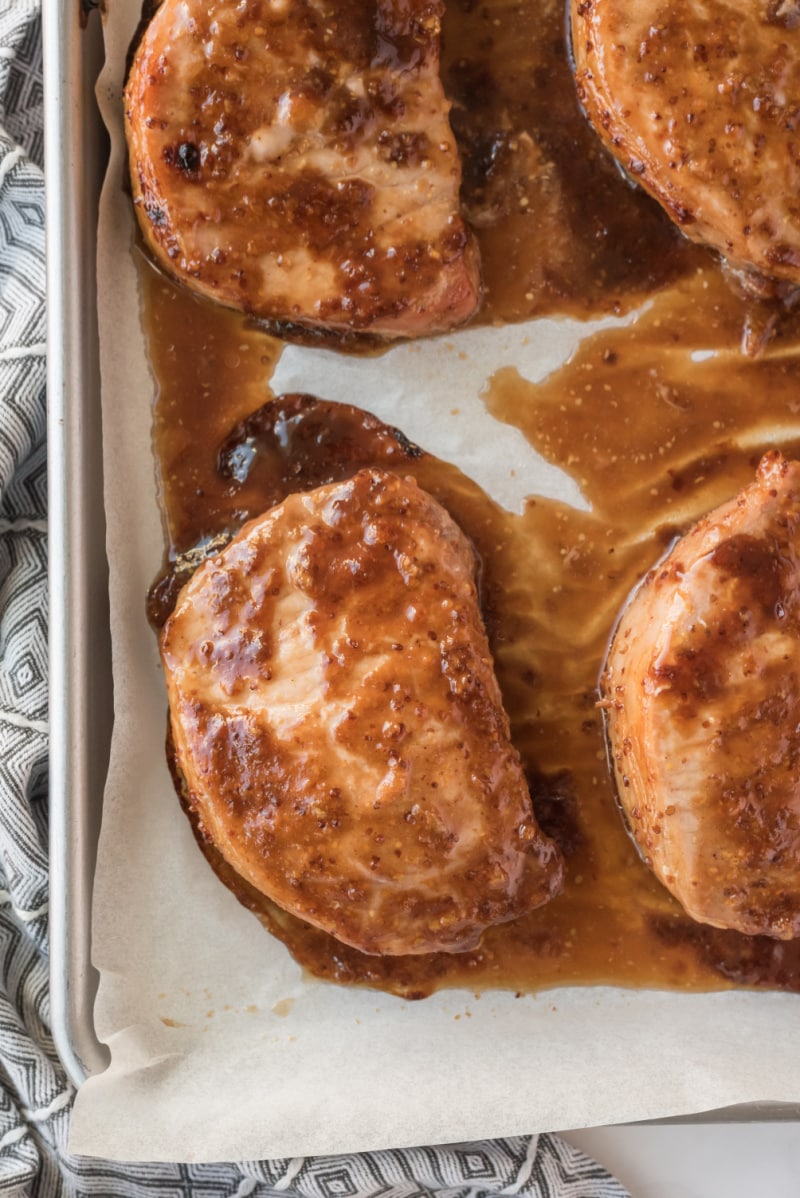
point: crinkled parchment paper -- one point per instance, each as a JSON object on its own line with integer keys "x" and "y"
{"x": 220, "y": 1047}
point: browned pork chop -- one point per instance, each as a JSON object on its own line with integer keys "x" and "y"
{"x": 339, "y": 727}
{"x": 294, "y": 158}
{"x": 699, "y": 100}
{"x": 702, "y": 687}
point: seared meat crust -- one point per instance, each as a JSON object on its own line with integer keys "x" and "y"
{"x": 294, "y": 158}
{"x": 699, "y": 100}
{"x": 339, "y": 727}
{"x": 702, "y": 689}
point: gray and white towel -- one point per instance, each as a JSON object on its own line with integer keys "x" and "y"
{"x": 35, "y": 1096}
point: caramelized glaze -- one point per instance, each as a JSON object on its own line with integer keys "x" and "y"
{"x": 701, "y": 694}
{"x": 296, "y": 161}
{"x": 698, "y": 101}
{"x": 657, "y": 420}
{"x": 337, "y": 719}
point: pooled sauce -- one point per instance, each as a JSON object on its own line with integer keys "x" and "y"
{"x": 560, "y": 230}
{"x": 657, "y": 420}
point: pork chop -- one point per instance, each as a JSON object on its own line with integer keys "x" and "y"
{"x": 339, "y": 727}
{"x": 294, "y": 158}
{"x": 699, "y": 100}
{"x": 702, "y": 690}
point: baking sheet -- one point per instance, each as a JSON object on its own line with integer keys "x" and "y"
{"x": 80, "y": 682}
{"x": 221, "y": 1048}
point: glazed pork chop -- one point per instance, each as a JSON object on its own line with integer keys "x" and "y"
{"x": 699, "y": 100}
{"x": 294, "y": 158}
{"x": 339, "y": 729}
{"x": 702, "y": 691}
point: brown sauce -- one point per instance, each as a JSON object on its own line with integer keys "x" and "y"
{"x": 657, "y": 421}
{"x": 559, "y": 228}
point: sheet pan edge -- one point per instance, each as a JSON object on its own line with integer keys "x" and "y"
{"x": 80, "y": 674}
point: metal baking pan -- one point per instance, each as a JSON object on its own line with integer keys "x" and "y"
{"x": 81, "y": 699}
{"x": 80, "y": 647}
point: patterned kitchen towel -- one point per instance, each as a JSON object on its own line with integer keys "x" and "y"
{"x": 35, "y": 1096}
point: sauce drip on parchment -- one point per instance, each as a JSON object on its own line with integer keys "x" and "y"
{"x": 657, "y": 418}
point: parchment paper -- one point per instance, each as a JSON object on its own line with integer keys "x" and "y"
{"x": 220, "y": 1047}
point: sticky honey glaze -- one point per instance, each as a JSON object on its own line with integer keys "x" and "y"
{"x": 657, "y": 420}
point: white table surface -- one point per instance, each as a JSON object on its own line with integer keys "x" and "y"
{"x": 741, "y": 1160}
